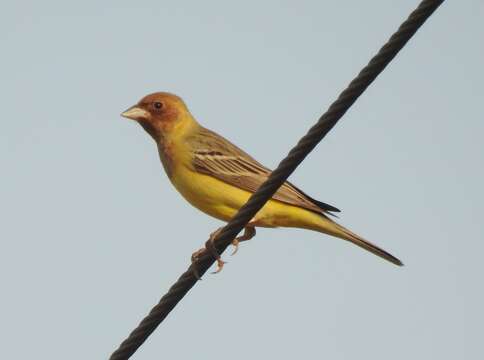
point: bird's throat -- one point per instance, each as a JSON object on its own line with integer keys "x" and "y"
{"x": 150, "y": 129}
{"x": 166, "y": 156}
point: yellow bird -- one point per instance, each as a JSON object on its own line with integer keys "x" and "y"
{"x": 218, "y": 178}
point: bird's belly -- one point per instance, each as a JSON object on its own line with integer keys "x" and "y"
{"x": 210, "y": 195}
{"x": 222, "y": 201}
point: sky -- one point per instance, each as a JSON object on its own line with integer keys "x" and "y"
{"x": 93, "y": 234}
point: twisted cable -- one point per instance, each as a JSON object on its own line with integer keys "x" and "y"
{"x": 325, "y": 123}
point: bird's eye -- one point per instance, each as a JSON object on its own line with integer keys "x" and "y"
{"x": 157, "y": 105}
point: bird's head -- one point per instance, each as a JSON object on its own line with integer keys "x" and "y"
{"x": 159, "y": 113}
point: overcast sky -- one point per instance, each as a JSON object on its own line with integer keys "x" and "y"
{"x": 93, "y": 234}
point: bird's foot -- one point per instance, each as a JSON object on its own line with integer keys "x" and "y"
{"x": 249, "y": 233}
{"x": 194, "y": 259}
{"x": 235, "y": 244}
{"x": 210, "y": 246}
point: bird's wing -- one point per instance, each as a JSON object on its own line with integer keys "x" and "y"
{"x": 215, "y": 156}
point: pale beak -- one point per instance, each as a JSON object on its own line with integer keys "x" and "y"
{"x": 136, "y": 113}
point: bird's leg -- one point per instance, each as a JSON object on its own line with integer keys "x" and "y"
{"x": 249, "y": 233}
{"x": 210, "y": 246}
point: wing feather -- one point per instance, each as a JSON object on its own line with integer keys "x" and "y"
{"x": 215, "y": 156}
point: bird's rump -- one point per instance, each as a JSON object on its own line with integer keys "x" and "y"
{"x": 217, "y": 157}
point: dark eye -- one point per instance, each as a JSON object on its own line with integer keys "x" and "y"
{"x": 157, "y": 105}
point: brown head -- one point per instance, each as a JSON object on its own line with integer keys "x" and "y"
{"x": 158, "y": 113}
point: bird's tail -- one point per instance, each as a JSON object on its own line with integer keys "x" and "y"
{"x": 335, "y": 229}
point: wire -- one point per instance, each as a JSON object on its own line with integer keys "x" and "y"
{"x": 325, "y": 123}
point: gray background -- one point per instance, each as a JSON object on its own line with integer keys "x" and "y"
{"x": 92, "y": 232}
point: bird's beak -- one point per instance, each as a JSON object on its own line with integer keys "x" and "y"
{"x": 136, "y": 113}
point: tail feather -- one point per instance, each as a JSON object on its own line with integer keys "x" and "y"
{"x": 343, "y": 233}
{"x": 357, "y": 240}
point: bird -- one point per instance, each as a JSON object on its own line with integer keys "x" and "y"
{"x": 217, "y": 177}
